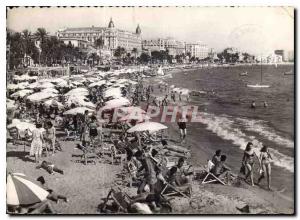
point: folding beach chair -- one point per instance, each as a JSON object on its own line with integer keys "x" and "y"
{"x": 210, "y": 177}
{"x": 119, "y": 198}
{"x": 169, "y": 190}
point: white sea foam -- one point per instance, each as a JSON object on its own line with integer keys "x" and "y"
{"x": 261, "y": 128}
{"x": 228, "y": 129}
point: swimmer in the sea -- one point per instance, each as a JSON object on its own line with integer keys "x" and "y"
{"x": 253, "y": 105}
{"x": 265, "y": 104}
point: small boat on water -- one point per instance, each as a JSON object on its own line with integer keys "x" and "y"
{"x": 261, "y": 79}
{"x": 244, "y": 74}
{"x": 288, "y": 73}
{"x": 258, "y": 86}
{"x": 160, "y": 72}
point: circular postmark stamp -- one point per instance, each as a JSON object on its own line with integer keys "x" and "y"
{"x": 249, "y": 37}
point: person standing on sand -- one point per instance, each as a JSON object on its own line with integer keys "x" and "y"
{"x": 51, "y": 135}
{"x": 37, "y": 143}
{"x": 248, "y": 161}
{"x": 180, "y": 96}
{"x": 265, "y": 165}
{"x": 182, "y": 127}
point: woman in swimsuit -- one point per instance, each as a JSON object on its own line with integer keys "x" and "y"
{"x": 265, "y": 165}
{"x": 248, "y": 161}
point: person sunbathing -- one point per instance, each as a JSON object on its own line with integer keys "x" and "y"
{"x": 52, "y": 195}
{"x": 50, "y": 167}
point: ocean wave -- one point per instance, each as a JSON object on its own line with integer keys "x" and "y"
{"x": 259, "y": 126}
{"x": 228, "y": 129}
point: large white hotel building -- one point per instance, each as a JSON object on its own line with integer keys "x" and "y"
{"x": 110, "y": 36}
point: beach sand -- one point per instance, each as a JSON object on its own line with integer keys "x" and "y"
{"x": 86, "y": 185}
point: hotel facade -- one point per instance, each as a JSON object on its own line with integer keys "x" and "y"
{"x": 110, "y": 36}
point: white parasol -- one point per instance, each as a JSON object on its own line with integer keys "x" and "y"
{"x": 147, "y": 126}
{"x": 78, "y": 110}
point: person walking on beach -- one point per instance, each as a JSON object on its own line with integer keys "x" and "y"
{"x": 182, "y": 127}
{"x": 50, "y": 135}
{"x": 173, "y": 96}
{"x": 248, "y": 161}
{"x": 253, "y": 105}
{"x": 180, "y": 96}
{"x": 265, "y": 165}
{"x": 37, "y": 143}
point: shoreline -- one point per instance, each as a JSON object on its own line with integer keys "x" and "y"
{"x": 201, "y": 152}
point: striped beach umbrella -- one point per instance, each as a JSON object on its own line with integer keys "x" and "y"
{"x": 21, "y": 191}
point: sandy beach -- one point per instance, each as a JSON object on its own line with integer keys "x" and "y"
{"x": 86, "y": 185}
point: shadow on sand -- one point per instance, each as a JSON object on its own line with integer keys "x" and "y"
{"x": 23, "y": 155}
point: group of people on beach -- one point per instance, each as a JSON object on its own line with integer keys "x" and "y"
{"x": 147, "y": 166}
{"x": 264, "y": 160}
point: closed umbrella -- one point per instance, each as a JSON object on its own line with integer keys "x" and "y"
{"x": 21, "y": 191}
{"x": 147, "y": 126}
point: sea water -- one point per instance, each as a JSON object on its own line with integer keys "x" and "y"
{"x": 225, "y": 112}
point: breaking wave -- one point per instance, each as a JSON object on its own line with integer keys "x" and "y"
{"x": 229, "y": 129}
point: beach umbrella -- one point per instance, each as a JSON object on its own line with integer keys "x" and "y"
{"x": 116, "y": 103}
{"x": 78, "y": 91}
{"x": 129, "y": 109}
{"x": 99, "y": 83}
{"x": 46, "y": 85}
{"x": 21, "y": 191}
{"x": 22, "y": 93}
{"x": 10, "y": 104}
{"x": 53, "y": 103}
{"x": 51, "y": 90}
{"x": 21, "y": 125}
{"x": 80, "y": 101}
{"x": 113, "y": 92}
{"x": 25, "y": 78}
{"x": 136, "y": 117}
{"x": 40, "y": 96}
{"x": 21, "y": 85}
{"x": 78, "y": 110}
{"x": 147, "y": 126}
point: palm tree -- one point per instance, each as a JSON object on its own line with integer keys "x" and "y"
{"x": 41, "y": 34}
{"x": 120, "y": 51}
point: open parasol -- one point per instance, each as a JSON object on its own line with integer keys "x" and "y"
{"x": 147, "y": 126}
{"x": 21, "y": 191}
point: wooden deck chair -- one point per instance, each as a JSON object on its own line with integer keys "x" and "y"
{"x": 117, "y": 155}
{"x": 122, "y": 200}
{"x": 210, "y": 175}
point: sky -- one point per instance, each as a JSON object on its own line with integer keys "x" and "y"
{"x": 257, "y": 30}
